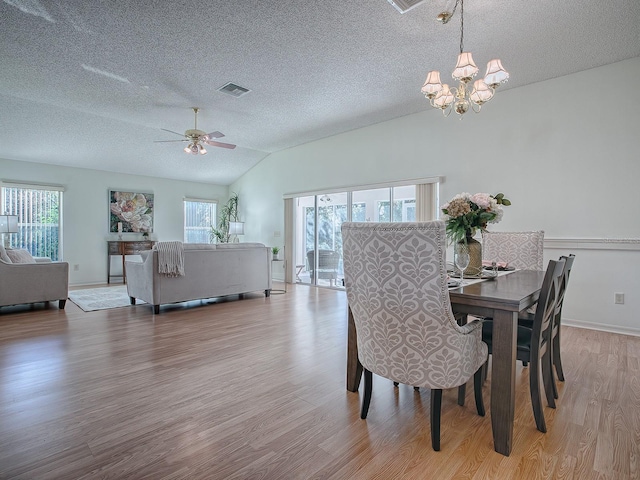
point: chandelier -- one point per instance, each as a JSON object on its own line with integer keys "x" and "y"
{"x": 465, "y": 96}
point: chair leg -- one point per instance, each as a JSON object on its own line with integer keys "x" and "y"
{"x": 485, "y": 370}
{"x": 477, "y": 389}
{"x": 462, "y": 393}
{"x": 368, "y": 386}
{"x": 552, "y": 375}
{"x": 536, "y": 398}
{"x": 556, "y": 356}
{"x": 436, "y": 407}
{"x": 524, "y": 364}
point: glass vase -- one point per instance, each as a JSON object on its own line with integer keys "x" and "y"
{"x": 475, "y": 256}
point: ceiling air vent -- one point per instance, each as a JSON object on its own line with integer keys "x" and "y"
{"x": 233, "y": 90}
{"x": 404, "y": 6}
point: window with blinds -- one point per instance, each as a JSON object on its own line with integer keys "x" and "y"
{"x": 39, "y": 211}
{"x": 199, "y": 217}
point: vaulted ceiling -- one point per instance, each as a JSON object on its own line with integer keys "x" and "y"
{"x": 91, "y": 83}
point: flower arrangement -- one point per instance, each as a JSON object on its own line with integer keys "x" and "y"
{"x": 465, "y": 213}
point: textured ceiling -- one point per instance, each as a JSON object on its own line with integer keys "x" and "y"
{"x": 90, "y": 83}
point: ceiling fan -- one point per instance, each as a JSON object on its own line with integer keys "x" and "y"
{"x": 197, "y": 137}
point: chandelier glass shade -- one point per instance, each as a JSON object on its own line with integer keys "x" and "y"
{"x": 466, "y": 95}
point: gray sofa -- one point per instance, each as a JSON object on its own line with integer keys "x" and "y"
{"x": 43, "y": 281}
{"x": 210, "y": 271}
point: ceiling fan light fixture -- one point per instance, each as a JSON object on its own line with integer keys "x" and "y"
{"x": 195, "y": 138}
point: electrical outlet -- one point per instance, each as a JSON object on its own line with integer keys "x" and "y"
{"x": 618, "y": 298}
{"x": 76, "y": 267}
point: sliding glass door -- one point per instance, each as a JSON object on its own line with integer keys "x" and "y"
{"x": 319, "y": 218}
{"x": 319, "y": 260}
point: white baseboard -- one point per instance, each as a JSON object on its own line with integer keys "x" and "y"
{"x": 602, "y": 327}
{"x": 91, "y": 284}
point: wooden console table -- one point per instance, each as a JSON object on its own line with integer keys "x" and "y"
{"x": 124, "y": 248}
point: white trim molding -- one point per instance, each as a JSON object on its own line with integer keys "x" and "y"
{"x": 601, "y": 327}
{"x": 371, "y": 186}
{"x": 592, "y": 243}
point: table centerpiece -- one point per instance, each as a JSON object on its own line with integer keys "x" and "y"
{"x": 464, "y": 215}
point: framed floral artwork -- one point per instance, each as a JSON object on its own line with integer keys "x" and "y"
{"x": 130, "y": 212}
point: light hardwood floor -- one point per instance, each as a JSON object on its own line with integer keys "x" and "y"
{"x": 255, "y": 389}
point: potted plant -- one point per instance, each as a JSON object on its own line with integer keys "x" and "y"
{"x": 276, "y": 252}
{"x": 228, "y": 213}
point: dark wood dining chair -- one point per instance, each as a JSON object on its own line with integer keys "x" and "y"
{"x": 526, "y": 320}
{"x": 396, "y": 283}
{"x": 534, "y": 344}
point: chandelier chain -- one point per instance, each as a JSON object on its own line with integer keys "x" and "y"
{"x": 461, "y": 23}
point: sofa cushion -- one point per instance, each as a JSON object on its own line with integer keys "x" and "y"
{"x": 3, "y": 255}
{"x": 239, "y": 245}
{"x": 20, "y": 256}
{"x": 199, "y": 246}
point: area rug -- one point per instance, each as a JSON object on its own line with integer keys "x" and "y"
{"x": 92, "y": 299}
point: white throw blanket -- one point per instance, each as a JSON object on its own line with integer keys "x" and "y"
{"x": 170, "y": 258}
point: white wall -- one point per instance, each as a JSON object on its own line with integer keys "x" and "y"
{"x": 86, "y": 208}
{"x": 564, "y": 151}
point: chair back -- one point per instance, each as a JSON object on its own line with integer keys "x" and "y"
{"x": 396, "y": 283}
{"x": 562, "y": 288}
{"x": 545, "y": 311}
{"x": 522, "y": 250}
{"x": 328, "y": 263}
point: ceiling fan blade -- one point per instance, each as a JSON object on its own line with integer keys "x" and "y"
{"x": 220, "y": 144}
{"x": 165, "y": 141}
{"x": 214, "y": 135}
{"x": 171, "y": 131}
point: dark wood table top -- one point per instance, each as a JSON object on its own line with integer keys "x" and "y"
{"x": 512, "y": 292}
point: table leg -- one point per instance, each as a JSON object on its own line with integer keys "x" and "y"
{"x": 124, "y": 273}
{"x": 354, "y": 367}
{"x": 462, "y": 389}
{"x": 503, "y": 379}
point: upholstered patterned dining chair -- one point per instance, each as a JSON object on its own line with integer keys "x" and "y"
{"x": 396, "y": 283}
{"x": 522, "y": 250}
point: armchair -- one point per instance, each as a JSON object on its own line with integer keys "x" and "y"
{"x": 41, "y": 281}
{"x": 328, "y": 262}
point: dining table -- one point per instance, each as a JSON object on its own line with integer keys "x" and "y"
{"x": 500, "y": 298}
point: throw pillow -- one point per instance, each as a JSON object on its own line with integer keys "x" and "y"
{"x": 3, "y": 255}
{"x": 20, "y": 256}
